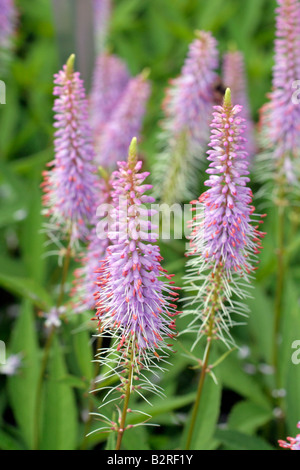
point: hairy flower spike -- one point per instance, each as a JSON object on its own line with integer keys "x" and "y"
{"x": 125, "y": 122}
{"x": 224, "y": 243}
{"x": 293, "y": 442}
{"x": 71, "y": 183}
{"x": 132, "y": 298}
{"x": 234, "y": 78}
{"x": 185, "y": 128}
{"x": 280, "y": 117}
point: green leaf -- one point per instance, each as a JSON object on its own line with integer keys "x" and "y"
{"x": 72, "y": 381}
{"x": 260, "y": 321}
{"x": 247, "y": 417}
{"x": 234, "y": 378}
{"x": 83, "y": 352}
{"x": 59, "y": 421}
{"x": 33, "y": 240}
{"x": 22, "y": 387}
{"x": 26, "y": 288}
{"x": 111, "y": 441}
{"x": 135, "y": 439}
{"x": 8, "y": 442}
{"x": 207, "y": 416}
{"x": 235, "y": 440}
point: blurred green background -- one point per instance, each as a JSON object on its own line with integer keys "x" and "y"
{"x": 151, "y": 34}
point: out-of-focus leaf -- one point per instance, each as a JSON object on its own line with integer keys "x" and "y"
{"x": 22, "y": 387}
{"x": 234, "y": 378}
{"x": 8, "y": 442}
{"x": 260, "y": 321}
{"x": 135, "y": 439}
{"x": 72, "y": 381}
{"x": 59, "y": 421}
{"x": 81, "y": 341}
{"x": 26, "y": 288}
{"x": 235, "y": 440}
{"x": 247, "y": 417}
{"x": 111, "y": 441}
{"x": 33, "y": 240}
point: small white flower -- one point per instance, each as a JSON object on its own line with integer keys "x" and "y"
{"x": 53, "y": 317}
{"x": 12, "y": 365}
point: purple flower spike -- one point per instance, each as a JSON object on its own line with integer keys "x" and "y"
{"x": 235, "y": 79}
{"x": 187, "y": 109}
{"x": 293, "y": 442}
{"x": 132, "y": 299}
{"x": 8, "y": 19}
{"x": 125, "y": 122}
{"x": 71, "y": 183}
{"x": 280, "y": 118}
{"x": 110, "y": 79}
{"x": 228, "y": 236}
{"x": 223, "y": 241}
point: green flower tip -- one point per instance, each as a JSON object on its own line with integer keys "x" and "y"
{"x": 103, "y": 173}
{"x": 70, "y": 64}
{"x": 133, "y": 153}
{"x": 232, "y": 47}
{"x": 145, "y": 73}
{"x": 227, "y": 97}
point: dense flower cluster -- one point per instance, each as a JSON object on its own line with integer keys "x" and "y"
{"x": 187, "y": 109}
{"x": 70, "y": 185}
{"x": 224, "y": 242}
{"x": 132, "y": 299}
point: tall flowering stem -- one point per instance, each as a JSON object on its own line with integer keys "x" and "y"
{"x": 135, "y": 298}
{"x": 224, "y": 241}
{"x": 70, "y": 185}
{"x": 8, "y": 20}
{"x": 185, "y": 126}
{"x": 279, "y": 162}
{"x": 102, "y": 14}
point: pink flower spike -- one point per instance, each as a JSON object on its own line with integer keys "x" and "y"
{"x": 71, "y": 183}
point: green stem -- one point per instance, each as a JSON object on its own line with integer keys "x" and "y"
{"x": 216, "y": 279}
{"x": 279, "y": 290}
{"x": 91, "y": 400}
{"x": 126, "y": 401}
{"x": 38, "y": 400}
{"x": 199, "y": 394}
